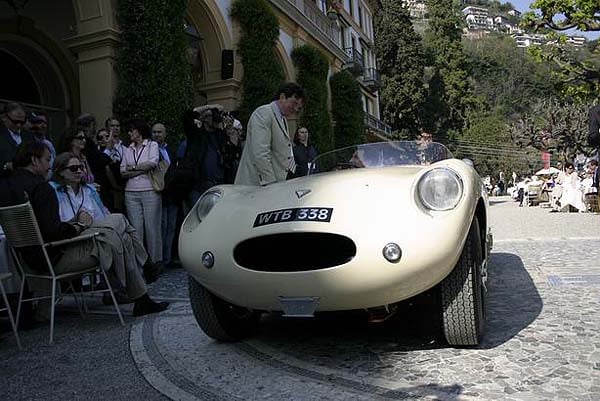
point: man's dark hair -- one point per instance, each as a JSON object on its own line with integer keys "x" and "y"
{"x": 594, "y": 162}
{"x": 27, "y": 150}
{"x": 99, "y": 131}
{"x": 85, "y": 120}
{"x": 66, "y": 139}
{"x": 140, "y": 125}
{"x": 290, "y": 89}
{"x": 108, "y": 120}
{"x": 569, "y": 164}
{"x": 12, "y": 106}
{"x": 187, "y": 121}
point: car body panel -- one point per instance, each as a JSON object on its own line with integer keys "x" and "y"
{"x": 371, "y": 206}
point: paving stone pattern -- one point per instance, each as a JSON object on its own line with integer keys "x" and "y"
{"x": 542, "y": 340}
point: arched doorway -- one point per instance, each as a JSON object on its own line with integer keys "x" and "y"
{"x": 34, "y": 80}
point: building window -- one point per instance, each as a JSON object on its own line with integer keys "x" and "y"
{"x": 360, "y": 17}
{"x": 351, "y": 7}
{"x": 322, "y": 4}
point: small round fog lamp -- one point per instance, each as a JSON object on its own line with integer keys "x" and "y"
{"x": 392, "y": 252}
{"x": 208, "y": 259}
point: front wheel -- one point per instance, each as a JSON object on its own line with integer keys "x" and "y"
{"x": 220, "y": 319}
{"x": 463, "y": 294}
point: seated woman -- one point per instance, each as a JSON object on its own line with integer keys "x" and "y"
{"x": 116, "y": 249}
{"x": 572, "y": 194}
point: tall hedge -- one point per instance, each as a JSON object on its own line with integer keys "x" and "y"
{"x": 263, "y": 73}
{"x": 346, "y": 109}
{"x": 312, "y": 67}
{"x": 154, "y": 75}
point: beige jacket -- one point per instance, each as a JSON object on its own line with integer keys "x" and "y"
{"x": 268, "y": 150}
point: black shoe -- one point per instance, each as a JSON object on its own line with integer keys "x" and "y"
{"x": 151, "y": 271}
{"x": 121, "y": 297}
{"x": 146, "y": 307}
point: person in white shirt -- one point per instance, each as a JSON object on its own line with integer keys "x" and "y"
{"x": 572, "y": 194}
{"x": 116, "y": 151}
{"x": 142, "y": 202}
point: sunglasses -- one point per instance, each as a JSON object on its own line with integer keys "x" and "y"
{"x": 15, "y": 121}
{"x": 82, "y": 137}
{"x": 74, "y": 169}
{"x": 102, "y": 136}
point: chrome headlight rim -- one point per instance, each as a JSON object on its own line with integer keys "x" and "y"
{"x": 428, "y": 203}
{"x": 207, "y": 202}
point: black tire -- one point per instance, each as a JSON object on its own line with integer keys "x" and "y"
{"x": 463, "y": 303}
{"x": 220, "y": 319}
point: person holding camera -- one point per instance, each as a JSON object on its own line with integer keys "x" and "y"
{"x": 268, "y": 155}
{"x": 206, "y": 139}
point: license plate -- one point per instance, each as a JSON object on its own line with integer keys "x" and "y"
{"x": 299, "y": 306}
{"x": 316, "y": 214}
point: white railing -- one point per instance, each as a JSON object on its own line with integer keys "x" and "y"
{"x": 319, "y": 19}
{"x": 374, "y": 123}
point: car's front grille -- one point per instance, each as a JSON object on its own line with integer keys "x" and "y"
{"x": 293, "y": 252}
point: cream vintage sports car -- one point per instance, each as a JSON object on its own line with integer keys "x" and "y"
{"x": 373, "y": 225}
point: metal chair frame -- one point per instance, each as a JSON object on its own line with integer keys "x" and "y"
{"x": 22, "y": 230}
{"x": 4, "y": 276}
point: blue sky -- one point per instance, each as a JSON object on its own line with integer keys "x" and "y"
{"x": 523, "y": 6}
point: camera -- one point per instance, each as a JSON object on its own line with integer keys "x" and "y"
{"x": 217, "y": 115}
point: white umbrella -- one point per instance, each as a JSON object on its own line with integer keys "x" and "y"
{"x": 548, "y": 171}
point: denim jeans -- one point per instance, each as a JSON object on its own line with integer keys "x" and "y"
{"x": 169, "y": 221}
{"x": 144, "y": 211}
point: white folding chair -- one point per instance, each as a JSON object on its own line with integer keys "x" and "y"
{"x": 5, "y": 276}
{"x": 22, "y": 231}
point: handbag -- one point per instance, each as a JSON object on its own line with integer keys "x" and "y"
{"x": 157, "y": 175}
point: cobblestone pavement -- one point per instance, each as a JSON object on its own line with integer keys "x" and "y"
{"x": 542, "y": 340}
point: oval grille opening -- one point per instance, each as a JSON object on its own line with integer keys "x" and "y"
{"x": 294, "y": 252}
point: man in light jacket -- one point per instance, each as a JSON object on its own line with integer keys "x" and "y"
{"x": 267, "y": 156}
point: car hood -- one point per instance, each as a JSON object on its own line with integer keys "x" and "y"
{"x": 323, "y": 189}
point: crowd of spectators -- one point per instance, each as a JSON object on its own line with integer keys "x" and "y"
{"x": 125, "y": 177}
{"x": 564, "y": 188}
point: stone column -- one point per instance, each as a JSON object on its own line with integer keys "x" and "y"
{"x": 94, "y": 46}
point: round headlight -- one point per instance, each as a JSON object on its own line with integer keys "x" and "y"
{"x": 440, "y": 189}
{"x": 206, "y": 203}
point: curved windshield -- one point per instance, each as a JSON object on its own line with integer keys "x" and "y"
{"x": 381, "y": 154}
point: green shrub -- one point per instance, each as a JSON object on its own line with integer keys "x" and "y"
{"x": 263, "y": 74}
{"x": 154, "y": 76}
{"x": 312, "y": 67}
{"x": 346, "y": 109}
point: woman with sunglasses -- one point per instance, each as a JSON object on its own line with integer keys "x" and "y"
{"x": 74, "y": 142}
{"x": 118, "y": 248}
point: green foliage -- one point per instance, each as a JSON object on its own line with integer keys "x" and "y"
{"x": 506, "y": 78}
{"x": 401, "y": 61}
{"x": 263, "y": 73}
{"x": 449, "y": 91}
{"x": 346, "y": 109}
{"x": 486, "y": 141}
{"x": 580, "y": 76}
{"x": 557, "y": 127}
{"x": 312, "y": 67}
{"x": 154, "y": 76}
{"x": 561, "y": 15}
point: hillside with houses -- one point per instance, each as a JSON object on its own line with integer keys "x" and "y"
{"x": 482, "y": 17}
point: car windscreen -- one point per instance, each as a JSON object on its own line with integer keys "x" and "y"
{"x": 381, "y": 154}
